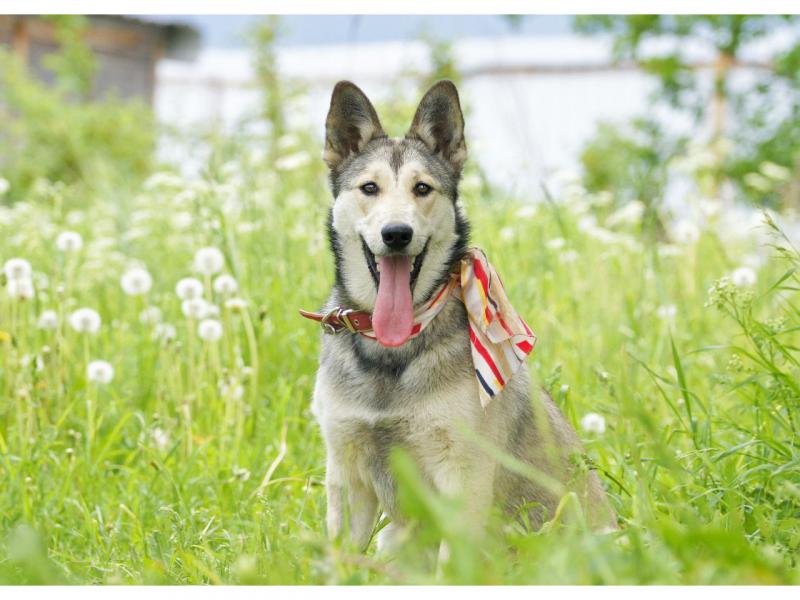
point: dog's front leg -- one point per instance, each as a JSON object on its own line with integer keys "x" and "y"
{"x": 351, "y": 503}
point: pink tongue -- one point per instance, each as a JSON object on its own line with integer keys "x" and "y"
{"x": 393, "y": 316}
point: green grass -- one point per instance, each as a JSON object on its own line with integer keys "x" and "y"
{"x": 177, "y": 479}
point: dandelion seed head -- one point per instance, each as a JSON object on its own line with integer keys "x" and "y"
{"x": 667, "y": 312}
{"x": 189, "y": 288}
{"x": 556, "y": 243}
{"x": 150, "y": 315}
{"x": 17, "y": 268}
{"x": 99, "y": 371}
{"x": 208, "y": 261}
{"x": 164, "y": 332}
{"x": 160, "y": 438}
{"x": 568, "y": 256}
{"x": 85, "y": 320}
{"x": 20, "y": 289}
{"x": 235, "y": 304}
{"x": 685, "y": 232}
{"x": 225, "y": 285}
{"x": 47, "y": 320}
{"x": 744, "y": 277}
{"x": 209, "y": 330}
{"x": 136, "y": 281}
{"x": 195, "y": 308}
{"x": 4, "y": 185}
{"x": 69, "y": 241}
{"x": 593, "y": 423}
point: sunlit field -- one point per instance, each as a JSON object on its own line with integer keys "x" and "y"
{"x": 189, "y": 454}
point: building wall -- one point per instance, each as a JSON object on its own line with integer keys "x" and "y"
{"x": 126, "y": 50}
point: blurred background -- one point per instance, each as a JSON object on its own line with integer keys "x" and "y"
{"x": 661, "y": 100}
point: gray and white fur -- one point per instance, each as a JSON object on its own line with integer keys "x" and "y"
{"x": 423, "y": 395}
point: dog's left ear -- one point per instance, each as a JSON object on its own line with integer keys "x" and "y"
{"x": 439, "y": 124}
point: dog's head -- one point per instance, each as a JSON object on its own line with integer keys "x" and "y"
{"x": 396, "y": 225}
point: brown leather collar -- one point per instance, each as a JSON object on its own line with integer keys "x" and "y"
{"x": 341, "y": 319}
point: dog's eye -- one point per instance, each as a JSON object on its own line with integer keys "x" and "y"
{"x": 422, "y": 189}
{"x": 370, "y": 188}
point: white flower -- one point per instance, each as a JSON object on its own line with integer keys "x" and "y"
{"x": 743, "y": 277}
{"x": 195, "y": 308}
{"x": 160, "y": 438}
{"x": 20, "y": 289}
{"x": 164, "y": 332}
{"x": 667, "y": 312}
{"x": 235, "y": 304}
{"x": 292, "y": 161}
{"x": 208, "y": 261}
{"x": 150, "y": 315}
{"x": 210, "y": 330}
{"x": 568, "y": 256}
{"x": 685, "y": 232}
{"x": 630, "y": 214}
{"x": 226, "y": 285}
{"x": 182, "y": 220}
{"x": 4, "y": 185}
{"x": 17, "y": 268}
{"x": 99, "y": 371}
{"x": 136, "y": 281}
{"x": 85, "y": 320}
{"x": 69, "y": 241}
{"x": 507, "y": 233}
{"x": 188, "y": 288}
{"x": 48, "y": 320}
{"x": 593, "y": 423}
{"x": 555, "y": 243}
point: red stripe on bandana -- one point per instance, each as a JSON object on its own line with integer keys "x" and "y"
{"x": 486, "y": 356}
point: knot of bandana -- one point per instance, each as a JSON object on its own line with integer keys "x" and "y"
{"x": 500, "y": 339}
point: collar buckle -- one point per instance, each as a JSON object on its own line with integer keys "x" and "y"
{"x": 342, "y": 321}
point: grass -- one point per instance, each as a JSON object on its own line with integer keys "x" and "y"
{"x": 172, "y": 474}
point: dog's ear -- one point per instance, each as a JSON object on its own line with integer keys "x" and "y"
{"x": 351, "y": 124}
{"x": 439, "y": 124}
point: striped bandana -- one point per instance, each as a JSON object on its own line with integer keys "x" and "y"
{"x": 500, "y": 338}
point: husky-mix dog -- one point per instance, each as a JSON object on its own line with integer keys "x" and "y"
{"x": 397, "y": 229}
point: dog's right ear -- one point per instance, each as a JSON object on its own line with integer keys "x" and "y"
{"x": 351, "y": 124}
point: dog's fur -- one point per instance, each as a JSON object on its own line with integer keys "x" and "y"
{"x": 423, "y": 395}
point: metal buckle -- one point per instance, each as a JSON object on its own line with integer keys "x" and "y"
{"x": 344, "y": 320}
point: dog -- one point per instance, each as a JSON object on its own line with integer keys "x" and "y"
{"x": 397, "y": 231}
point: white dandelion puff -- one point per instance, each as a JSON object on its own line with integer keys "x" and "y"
{"x": 20, "y": 289}
{"x": 209, "y": 330}
{"x": 99, "y": 371}
{"x": 69, "y": 241}
{"x": 208, "y": 261}
{"x": 17, "y": 268}
{"x": 556, "y": 243}
{"x": 85, "y": 320}
{"x": 291, "y": 162}
{"x": 568, "y": 256}
{"x": 160, "y": 438}
{"x": 195, "y": 308}
{"x": 593, "y": 423}
{"x": 189, "y": 288}
{"x": 685, "y": 232}
{"x": 164, "y": 332}
{"x": 47, "y": 320}
{"x": 743, "y": 277}
{"x": 236, "y": 304}
{"x": 226, "y": 285}
{"x": 667, "y": 312}
{"x": 136, "y": 281}
{"x": 150, "y": 315}
{"x": 4, "y": 185}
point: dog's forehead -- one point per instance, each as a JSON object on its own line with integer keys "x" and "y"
{"x": 398, "y": 155}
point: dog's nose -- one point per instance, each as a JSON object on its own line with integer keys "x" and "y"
{"x": 397, "y": 235}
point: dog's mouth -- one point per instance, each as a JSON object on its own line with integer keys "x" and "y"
{"x": 395, "y": 276}
{"x": 375, "y": 271}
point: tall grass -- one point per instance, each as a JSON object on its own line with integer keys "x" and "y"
{"x": 200, "y": 462}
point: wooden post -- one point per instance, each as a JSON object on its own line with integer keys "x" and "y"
{"x": 20, "y": 42}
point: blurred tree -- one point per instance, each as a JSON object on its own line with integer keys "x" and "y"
{"x": 759, "y": 115}
{"x": 264, "y": 35}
